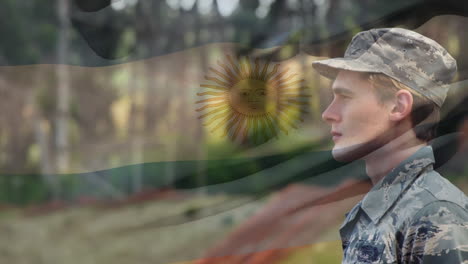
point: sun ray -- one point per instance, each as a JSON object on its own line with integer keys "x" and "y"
{"x": 263, "y": 127}
{"x": 293, "y": 113}
{"x": 243, "y": 71}
{"x": 247, "y": 128}
{"x": 287, "y": 79}
{"x": 295, "y": 96}
{"x": 217, "y": 110}
{"x": 228, "y": 71}
{"x": 278, "y": 77}
{"x": 212, "y": 93}
{"x": 285, "y": 117}
{"x": 272, "y": 73}
{"x": 279, "y": 124}
{"x": 285, "y": 85}
{"x": 255, "y": 128}
{"x": 272, "y": 127}
{"x": 223, "y": 122}
{"x": 222, "y": 75}
{"x": 256, "y": 70}
{"x": 264, "y": 71}
{"x": 278, "y": 81}
{"x": 295, "y": 99}
{"x": 232, "y": 124}
{"x": 225, "y": 84}
{"x": 240, "y": 125}
{"x": 287, "y": 95}
{"x": 234, "y": 66}
{"x": 210, "y": 106}
{"x": 298, "y": 89}
{"x": 248, "y": 68}
{"x": 214, "y": 87}
{"x": 211, "y": 99}
{"x": 292, "y": 101}
{"x": 300, "y": 109}
{"x": 216, "y": 117}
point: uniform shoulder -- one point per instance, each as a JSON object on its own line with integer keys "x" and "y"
{"x": 438, "y": 233}
{"x": 442, "y": 212}
{"x": 441, "y": 190}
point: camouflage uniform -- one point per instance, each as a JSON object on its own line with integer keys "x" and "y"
{"x": 412, "y": 215}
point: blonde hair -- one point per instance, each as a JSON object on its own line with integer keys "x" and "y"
{"x": 425, "y": 114}
{"x": 386, "y": 87}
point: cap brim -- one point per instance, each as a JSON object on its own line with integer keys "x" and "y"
{"x": 330, "y": 67}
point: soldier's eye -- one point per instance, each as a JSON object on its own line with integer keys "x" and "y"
{"x": 342, "y": 96}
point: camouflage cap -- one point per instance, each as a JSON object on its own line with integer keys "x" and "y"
{"x": 404, "y": 55}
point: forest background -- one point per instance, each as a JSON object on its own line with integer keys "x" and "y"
{"x": 99, "y": 103}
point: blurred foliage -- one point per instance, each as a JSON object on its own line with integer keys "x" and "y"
{"x": 130, "y": 130}
{"x": 324, "y": 252}
{"x": 114, "y": 115}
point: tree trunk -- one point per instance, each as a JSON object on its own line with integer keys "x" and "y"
{"x": 63, "y": 88}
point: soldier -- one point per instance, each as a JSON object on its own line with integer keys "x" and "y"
{"x": 388, "y": 89}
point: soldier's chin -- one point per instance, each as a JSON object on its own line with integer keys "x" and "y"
{"x": 353, "y": 152}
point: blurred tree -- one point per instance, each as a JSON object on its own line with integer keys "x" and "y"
{"x": 63, "y": 87}
{"x": 92, "y": 5}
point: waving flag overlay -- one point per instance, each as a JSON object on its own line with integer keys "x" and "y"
{"x": 188, "y": 131}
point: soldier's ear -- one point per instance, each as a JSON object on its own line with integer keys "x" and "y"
{"x": 401, "y": 105}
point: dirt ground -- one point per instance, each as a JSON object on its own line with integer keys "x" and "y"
{"x": 165, "y": 231}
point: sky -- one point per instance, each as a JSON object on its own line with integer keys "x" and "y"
{"x": 226, "y": 7}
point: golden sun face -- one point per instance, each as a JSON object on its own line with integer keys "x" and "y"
{"x": 251, "y": 103}
{"x": 250, "y": 97}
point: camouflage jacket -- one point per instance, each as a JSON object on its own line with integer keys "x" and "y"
{"x": 412, "y": 215}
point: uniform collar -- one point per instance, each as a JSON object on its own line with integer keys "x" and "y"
{"x": 384, "y": 194}
{"x": 351, "y": 215}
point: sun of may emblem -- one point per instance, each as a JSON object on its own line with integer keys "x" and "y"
{"x": 251, "y": 102}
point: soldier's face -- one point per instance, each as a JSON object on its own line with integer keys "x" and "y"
{"x": 358, "y": 119}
